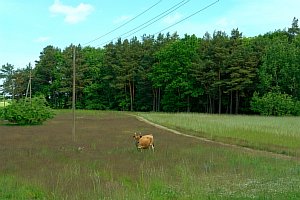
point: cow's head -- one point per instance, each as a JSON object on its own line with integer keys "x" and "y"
{"x": 137, "y": 137}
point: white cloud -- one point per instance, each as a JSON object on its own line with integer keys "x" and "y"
{"x": 72, "y": 14}
{"x": 121, "y": 19}
{"x": 42, "y": 39}
{"x": 171, "y": 19}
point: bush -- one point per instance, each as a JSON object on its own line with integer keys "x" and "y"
{"x": 276, "y": 104}
{"x": 24, "y": 112}
{"x": 1, "y": 112}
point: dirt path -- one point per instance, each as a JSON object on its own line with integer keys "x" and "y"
{"x": 276, "y": 155}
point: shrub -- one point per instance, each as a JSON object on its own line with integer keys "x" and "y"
{"x": 1, "y": 112}
{"x": 26, "y": 112}
{"x": 276, "y": 104}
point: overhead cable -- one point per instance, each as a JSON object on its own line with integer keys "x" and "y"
{"x": 123, "y": 24}
{"x": 151, "y": 21}
{"x": 202, "y": 9}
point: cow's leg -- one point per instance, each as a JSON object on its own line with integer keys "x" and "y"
{"x": 139, "y": 149}
{"x": 152, "y": 147}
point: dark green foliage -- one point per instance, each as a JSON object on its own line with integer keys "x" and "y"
{"x": 1, "y": 112}
{"x": 217, "y": 73}
{"x": 26, "y": 112}
{"x": 173, "y": 73}
{"x": 280, "y": 68}
{"x": 276, "y": 104}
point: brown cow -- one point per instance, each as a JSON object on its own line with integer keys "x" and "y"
{"x": 144, "y": 141}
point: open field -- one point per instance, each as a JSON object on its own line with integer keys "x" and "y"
{"x": 2, "y": 104}
{"x": 274, "y": 134}
{"x": 43, "y": 162}
{"x": 6, "y": 103}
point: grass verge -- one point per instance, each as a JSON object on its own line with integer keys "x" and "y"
{"x": 275, "y": 134}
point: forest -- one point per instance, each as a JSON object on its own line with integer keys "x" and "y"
{"x": 218, "y": 73}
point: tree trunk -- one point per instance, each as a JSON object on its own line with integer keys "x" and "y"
{"x": 188, "y": 104}
{"x": 210, "y": 104}
{"x": 178, "y": 106}
{"x": 131, "y": 95}
{"x": 220, "y": 100}
{"x": 231, "y": 99}
{"x": 158, "y": 101}
{"x": 125, "y": 90}
{"x": 220, "y": 94}
{"x": 213, "y": 105}
{"x": 237, "y": 102}
{"x": 154, "y": 91}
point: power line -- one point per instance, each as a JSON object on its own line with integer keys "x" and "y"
{"x": 123, "y": 24}
{"x": 157, "y": 19}
{"x": 202, "y": 9}
{"x": 150, "y": 22}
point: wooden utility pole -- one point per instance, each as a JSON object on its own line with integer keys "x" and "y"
{"x": 3, "y": 95}
{"x": 73, "y": 97}
{"x": 29, "y": 85}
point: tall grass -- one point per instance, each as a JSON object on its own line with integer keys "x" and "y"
{"x": 12, "y": 188}
{"x": 2, "y": 104}
{"x": 278, "y": 134}
{"x": 49, "y": 166}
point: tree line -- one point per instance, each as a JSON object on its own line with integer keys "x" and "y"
{"x": 218, "y": 73}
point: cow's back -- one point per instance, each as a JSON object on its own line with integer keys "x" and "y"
{"x": 144, "y": 142}
{"x": 150, "y": 137}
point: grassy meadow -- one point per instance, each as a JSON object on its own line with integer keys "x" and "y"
{"x": 275, "y": 134}
{"x": 42, "y": 162}
{"x": 2, "y": 103}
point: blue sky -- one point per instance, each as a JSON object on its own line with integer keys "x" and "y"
{"x": 26, "y": 27}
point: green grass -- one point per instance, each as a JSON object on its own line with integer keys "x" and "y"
{"x": 220, "y": 174}
{"x": 2, "y": 103}
{"x": 33, "y": 165}
{"x": 13, "y": 189}
{"x": 277, "y": 134}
